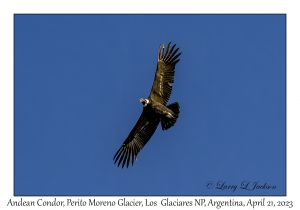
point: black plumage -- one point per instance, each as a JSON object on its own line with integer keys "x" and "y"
{"x": 155, "y": 109}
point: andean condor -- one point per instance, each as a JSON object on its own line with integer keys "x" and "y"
{"x": 155, "y": 108}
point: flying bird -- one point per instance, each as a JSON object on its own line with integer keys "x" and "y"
{"x": 155, "y": 108}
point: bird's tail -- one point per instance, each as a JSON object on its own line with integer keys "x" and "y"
{"x": 167, "y": 121}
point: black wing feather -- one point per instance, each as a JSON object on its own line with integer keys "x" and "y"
{"x": 164, "y": 76}
{"x": 137, "y": 138}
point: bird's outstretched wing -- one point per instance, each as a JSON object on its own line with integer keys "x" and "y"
{"x": 164, "y": 76}
{"x": 137, "y": 138}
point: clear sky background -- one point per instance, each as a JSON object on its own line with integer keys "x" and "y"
{"x": 77, "y": 84}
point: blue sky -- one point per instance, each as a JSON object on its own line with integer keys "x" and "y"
{"x": 77, "y": 84}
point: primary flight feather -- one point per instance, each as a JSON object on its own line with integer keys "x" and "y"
{"x": 155, "y": 108}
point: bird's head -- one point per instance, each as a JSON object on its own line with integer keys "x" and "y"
{"x": 145, "y": 102}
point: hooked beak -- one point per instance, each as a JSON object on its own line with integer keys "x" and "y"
{"x": 144, "y": 101}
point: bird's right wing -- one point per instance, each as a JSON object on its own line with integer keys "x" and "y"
{"x": 164, "y": 75}
{"x": 137, "y": 138}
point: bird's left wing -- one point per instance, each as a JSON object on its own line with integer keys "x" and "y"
{"x": 137, "y": 138}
